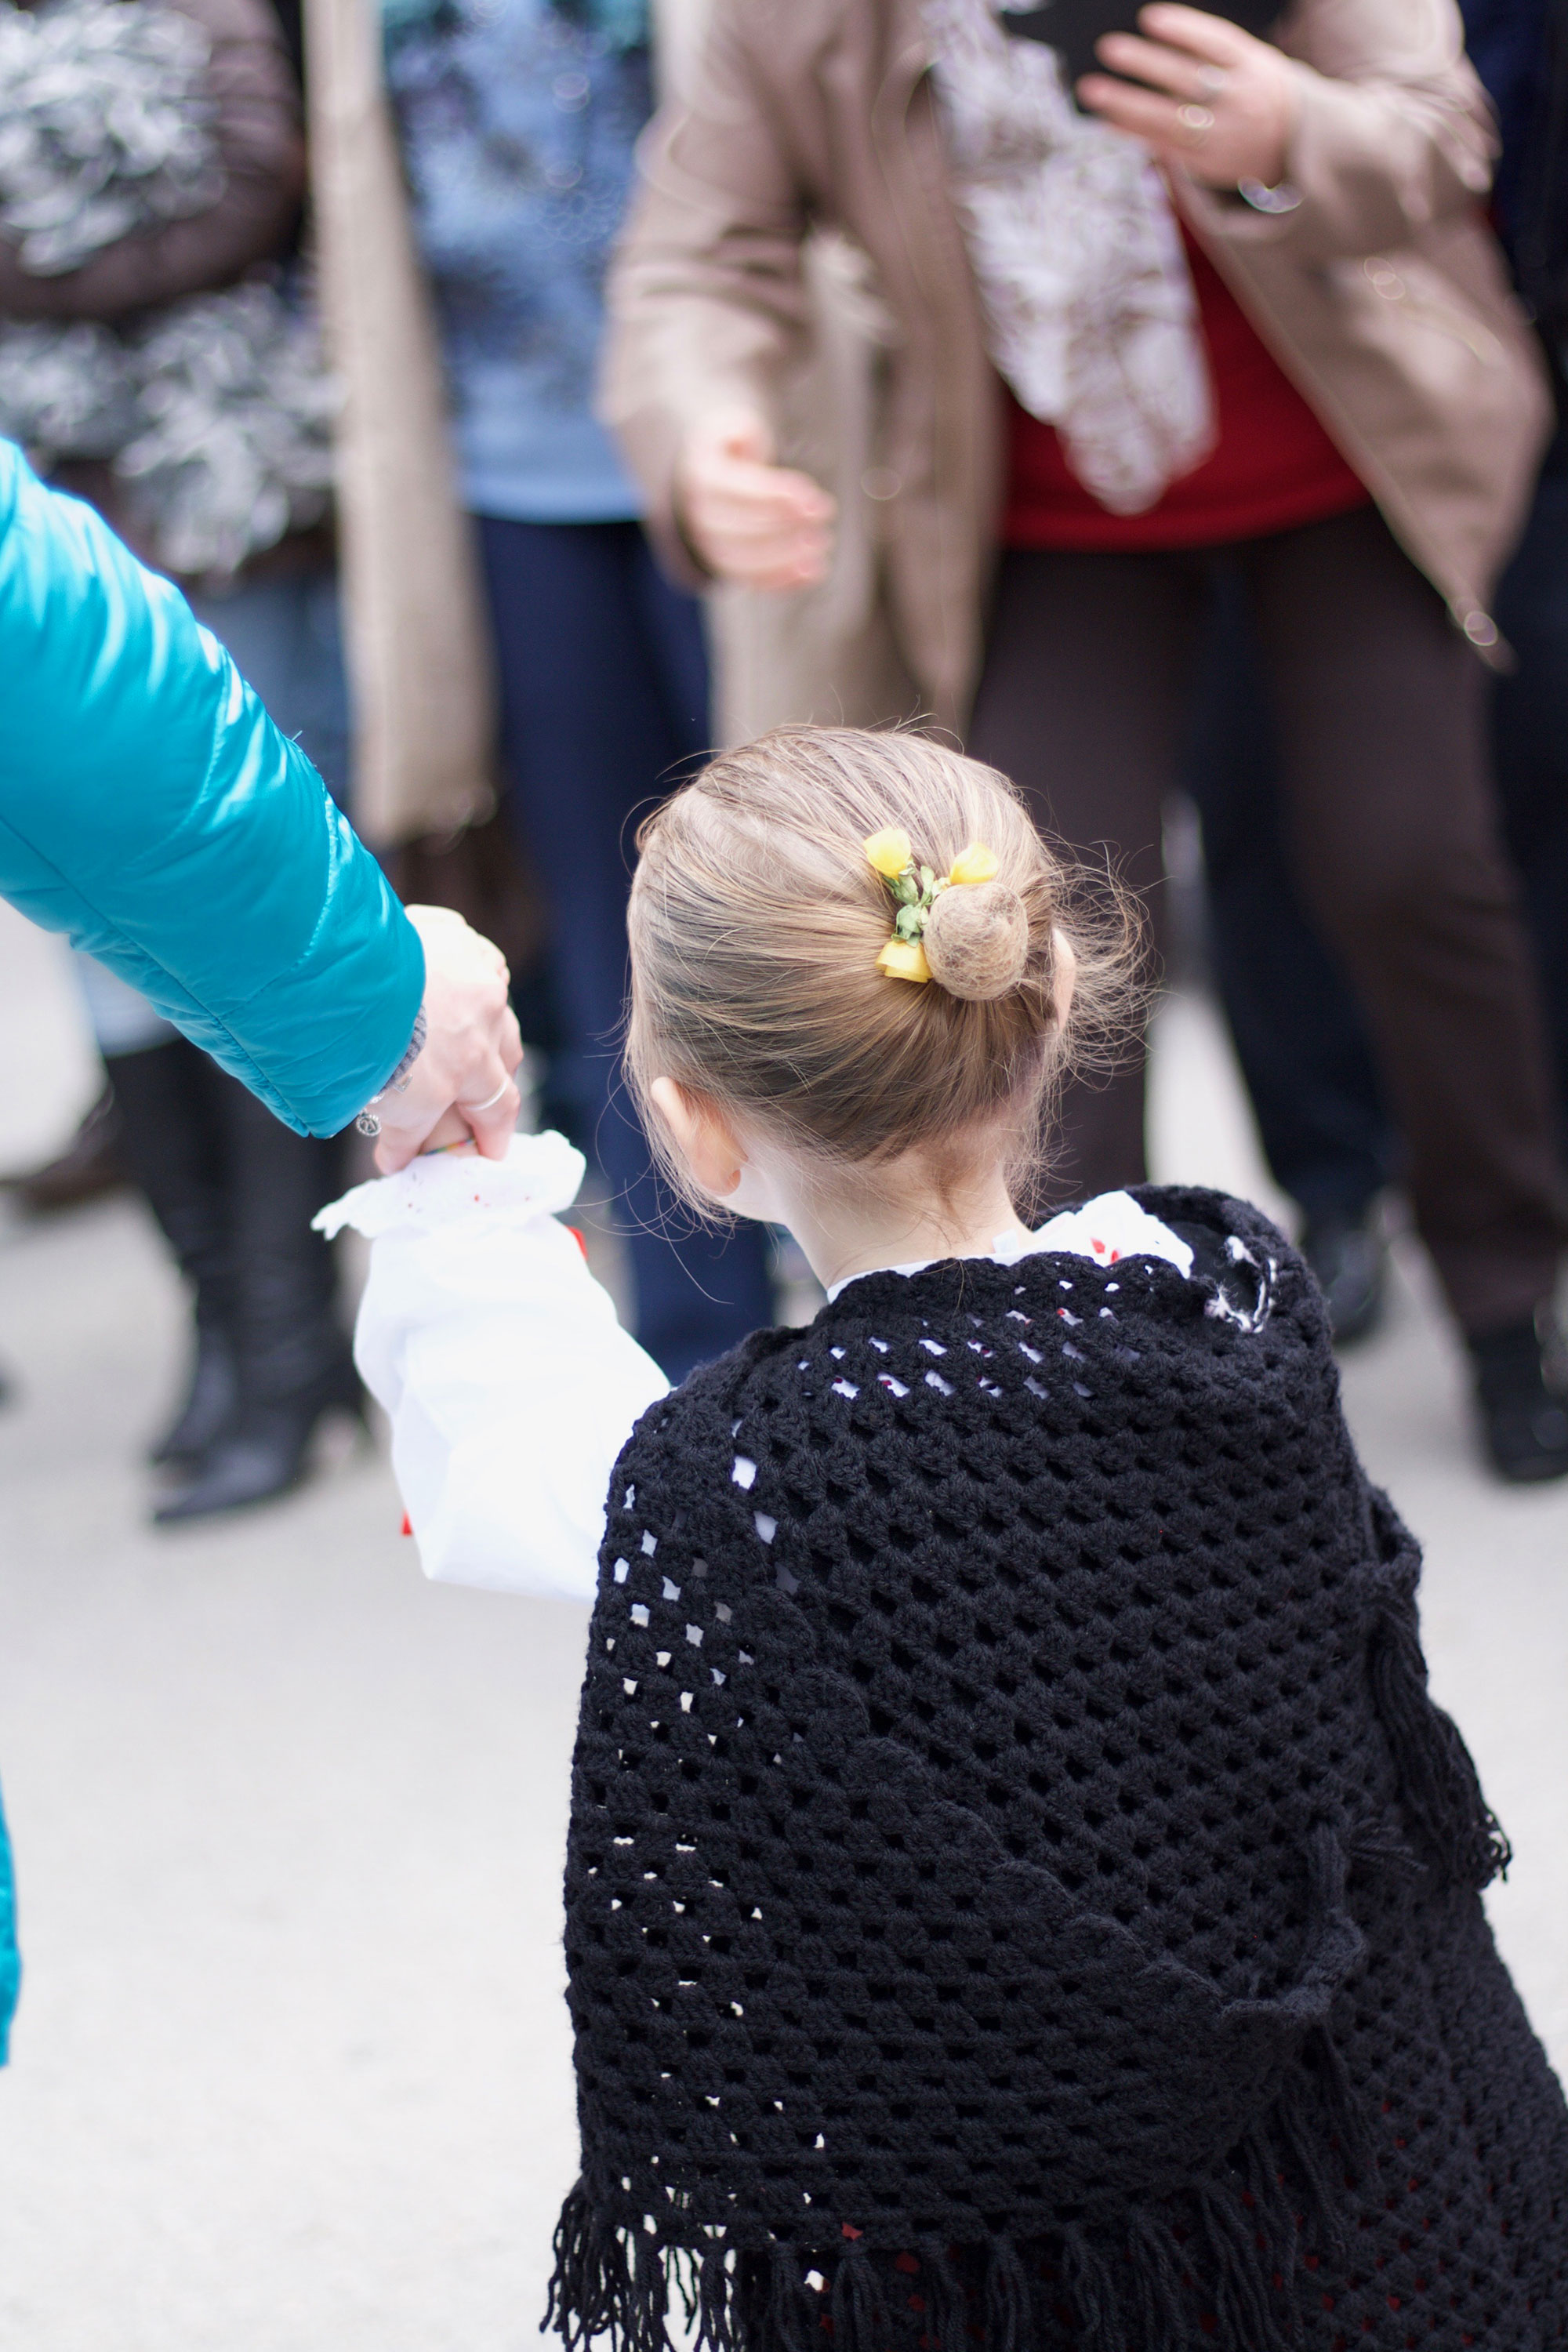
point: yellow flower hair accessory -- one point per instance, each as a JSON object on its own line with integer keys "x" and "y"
{"x": 915, "y": 890}
{"x": 976, "y": 864}
{"x": 889, "y": 851}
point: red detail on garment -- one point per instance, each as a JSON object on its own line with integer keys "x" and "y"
{"x": 407, "y": 1526}
{"x": 1273, "y": 468}
{"x": 578, "y": 1239}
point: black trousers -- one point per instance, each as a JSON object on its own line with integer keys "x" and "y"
{"x": 1389, "y": 813}
{"x": 1298, "y": 1031}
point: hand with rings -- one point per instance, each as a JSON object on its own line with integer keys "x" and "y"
{"x": 1219, "y": 105}
{"x": 461, "y": 1088}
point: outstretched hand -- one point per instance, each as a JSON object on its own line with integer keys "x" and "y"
{"x": 1219, "y": 105}
{"x": 748, "y": 520}
{"x": 463, "y": 1081}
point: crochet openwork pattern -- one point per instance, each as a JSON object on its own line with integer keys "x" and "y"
{"x": 1020, "y": 1894}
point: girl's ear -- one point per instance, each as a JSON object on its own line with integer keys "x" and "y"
{"x": 713, "y": 1156}
{"x": 1067, "y": 976}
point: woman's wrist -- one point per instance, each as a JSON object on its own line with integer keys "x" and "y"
{"x": 401, "y": 1079}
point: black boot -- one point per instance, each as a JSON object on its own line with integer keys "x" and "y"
{"x": 174, "y": 1148}
{"x": 1350, "y": 1260}
{"x": 92, "y": 1163}
{"x": 1521, "y": 1387}
{"x": 264, "y": 1451}
{"x": 211, "y": 1395}
{"x": 292, "y": 1359}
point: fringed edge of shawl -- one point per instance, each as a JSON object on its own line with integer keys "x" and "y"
{"x": 1130, "y": 2287}
{"x": 1440, "y": 1787}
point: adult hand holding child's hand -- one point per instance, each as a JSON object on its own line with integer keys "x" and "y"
{"x": 462, "y": 1081}
{"x": 747, "y": 518}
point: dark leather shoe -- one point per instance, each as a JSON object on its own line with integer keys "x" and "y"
{"x": 264, "y": 1451}
{"x": 92, "y": 1164}
{"x": 1351, "y": 1262}
{"x": 1521, "y": 1387}
{"x": 210, "y": 1400}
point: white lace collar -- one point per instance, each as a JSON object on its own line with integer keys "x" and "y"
{"x": 1107, "y": 1229}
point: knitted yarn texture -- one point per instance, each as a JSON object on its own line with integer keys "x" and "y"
{"x": 105, "y": 127}
{"x": 217, "y": 414}
{"x": 1019, "y": 1892}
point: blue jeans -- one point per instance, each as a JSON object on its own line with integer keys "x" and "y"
{"x": 1297, "y": 1027}
{"x": 604, "y": 685}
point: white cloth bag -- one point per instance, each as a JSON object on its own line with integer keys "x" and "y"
{"x": 510, "y": 1385}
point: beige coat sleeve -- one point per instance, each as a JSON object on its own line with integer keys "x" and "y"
{"x": 1393, "y": 132}
{"x": 707, "y": 300}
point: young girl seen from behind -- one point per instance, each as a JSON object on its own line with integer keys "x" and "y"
{"x": 1019, "y": 1895}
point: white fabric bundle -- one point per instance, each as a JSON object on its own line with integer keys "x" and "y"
{"x": 510, "y": 1385}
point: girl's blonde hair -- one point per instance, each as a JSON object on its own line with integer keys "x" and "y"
{"x": 756, "y": 920}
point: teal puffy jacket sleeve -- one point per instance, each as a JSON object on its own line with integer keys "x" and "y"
{"x": 149, "y": 807}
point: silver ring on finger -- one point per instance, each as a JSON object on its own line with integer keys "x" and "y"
{"x": 1212, "y": 80}
{"x": 1196, "y": 122}
{"x": 490, "y": 1105}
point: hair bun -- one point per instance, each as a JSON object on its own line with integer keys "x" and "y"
{"x": 976, "y": 940}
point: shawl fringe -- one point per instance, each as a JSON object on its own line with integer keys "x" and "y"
{"x": 1127, "y": 2287}
{"x": 1438, "y": 1785}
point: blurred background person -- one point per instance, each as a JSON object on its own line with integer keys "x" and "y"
{"x": 1298, "y": 1031}
{"x": 157, "y": 356}
{"x": 1294, "y": 344}
{"x": 517, "y": 120}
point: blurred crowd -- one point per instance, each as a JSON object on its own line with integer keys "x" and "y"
{"x": 532, "y": 395}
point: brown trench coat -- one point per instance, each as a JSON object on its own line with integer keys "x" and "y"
{"x": 1382, "y": 294}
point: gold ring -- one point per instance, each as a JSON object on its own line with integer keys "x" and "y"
{"x": 1196, "y": 122}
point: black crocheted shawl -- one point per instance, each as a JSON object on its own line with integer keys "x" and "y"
{"x": 1019, "y": 1891}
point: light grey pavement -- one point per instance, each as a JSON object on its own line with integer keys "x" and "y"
{"x": 291, "y": 2068}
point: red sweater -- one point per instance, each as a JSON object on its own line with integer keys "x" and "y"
{"x": 1272, "y": 467}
